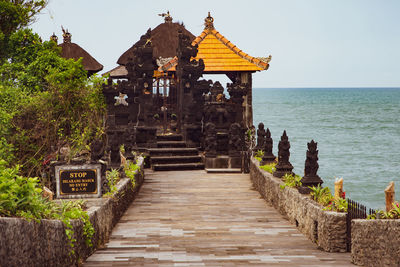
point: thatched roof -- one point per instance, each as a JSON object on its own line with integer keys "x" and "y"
{"x": 72, "y": 50}
{"x": 117, "y": 72}
{"x": 164, "y": 39}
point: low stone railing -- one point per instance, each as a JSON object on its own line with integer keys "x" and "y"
{"x": 326, "y": 228}
{"x": 45, "y": 243}
{"x": 375, "y": 242}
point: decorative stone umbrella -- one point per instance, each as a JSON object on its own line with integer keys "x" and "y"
{"x": 268, "y": 157}
{"x": 284, "y": 166}
{"x": 310, "y": 170}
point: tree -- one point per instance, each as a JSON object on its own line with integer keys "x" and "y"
{"x": 46, "y": 101}
{"x": 15, "y": 15}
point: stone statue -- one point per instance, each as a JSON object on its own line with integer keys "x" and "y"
{"x": 310, "y": 170}
{"x": 284, "y": 166}
{"x": 260, "y": 137}
{"x": 130, "y": 138}
{"x": 113, "y": 147}
{"x": 235, "y": 140}
{"x": 211, "y": 140}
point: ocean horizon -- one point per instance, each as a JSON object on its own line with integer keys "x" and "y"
{"x": 357, "y": 130}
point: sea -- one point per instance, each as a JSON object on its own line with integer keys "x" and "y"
{"x": 357, "y": 131}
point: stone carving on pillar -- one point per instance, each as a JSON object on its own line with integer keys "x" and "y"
{"x": 130, "y": 139}
{"x": 310, "y": 170}
{"x": 211, "y": 140}
{"x": 216, "y": 91}
{"x": 236, "y": 91}
{"x": 188, "y": 72}
{"x": 260, "y": 137}
{"x": 268, "y": 157}
{"x": 284, "y": 166}
{"x": 235, "y": 140}
{"x": 113, "y": 147}
{"x": 249, "y": 146}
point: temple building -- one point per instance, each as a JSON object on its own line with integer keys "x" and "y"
{"x": 159, "y": 103}
{"x": 74, "y": 51}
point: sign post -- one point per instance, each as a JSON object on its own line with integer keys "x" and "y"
{"x": 78, "y": 181}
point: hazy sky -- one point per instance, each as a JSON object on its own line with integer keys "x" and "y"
{"x": 313, "y": 43}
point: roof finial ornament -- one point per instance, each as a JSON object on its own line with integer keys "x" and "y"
{"x": 209, "y": 22}
{"x": 66, "y": 35}
{"x": 167, "y": 17}
{"x": 54, "y": 38}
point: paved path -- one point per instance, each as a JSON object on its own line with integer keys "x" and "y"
{"x": 190, "y": 218}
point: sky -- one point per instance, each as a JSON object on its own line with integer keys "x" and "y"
{"x": 313, "y": 43}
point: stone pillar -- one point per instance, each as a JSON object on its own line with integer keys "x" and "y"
{"x": 389, "y": 196}
{"x": 246, "y": 79}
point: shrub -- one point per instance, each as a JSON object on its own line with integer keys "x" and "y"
{"x": 21, "y": 197}
{"x": 394, "y": 213}
{"x": 291, "y": 180}
{"x": 269, "y": 167}
{"x": 130, "y": 171}
{"x": 112, "y": 180}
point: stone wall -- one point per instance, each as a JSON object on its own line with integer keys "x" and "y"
{"x": 326, "y": 228}
{"x": 44, "y": 243}
{"x": 375, "y": 242}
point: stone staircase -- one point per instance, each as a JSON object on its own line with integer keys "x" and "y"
{"x": 172, "y": 154}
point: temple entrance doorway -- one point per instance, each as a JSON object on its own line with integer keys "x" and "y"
{"x": 165, "y": 102}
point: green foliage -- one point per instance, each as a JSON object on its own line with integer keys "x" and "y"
{"x": 112, "y": 180}
{"x": 21, "y": 197}
{"x": 130, "y": 171}
{"x": 46, "y": 101}
{"x": 14, "y": 15}
{"x": 394, "y": 213}
{"x": 73, "y": 210}
{"x": 318, "y": 192}
{"x": 291, "y": 180}
{"x": 340, "y": 205}
{"x": 323, "y": 196}
{"x": 269, "y": 167}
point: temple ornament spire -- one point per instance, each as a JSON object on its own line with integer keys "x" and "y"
{"x": 66, "y": 35}
{"x": 54, "y": 38}
{"x": 167, "y": 17}
{"x": 209, "y": 22}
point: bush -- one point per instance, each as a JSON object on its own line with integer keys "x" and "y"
{"x": 291, "y": 180}
{"x": 394, "y": 213}
{"x": 269, "y": 167}
{"x": 21, "y": 197}
{"x": 130, "y": 171}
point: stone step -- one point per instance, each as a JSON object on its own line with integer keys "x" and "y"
{"x": 175, "y": 159}
{"x": 222, "y": 170}
{"x": 172, "y": 151}
{"x": 176, "y": 167}
{"x": 171, "y": 137}
{"x": 171, "y": 144}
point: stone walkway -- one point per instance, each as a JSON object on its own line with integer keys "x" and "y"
{"x": 191, "y": 218}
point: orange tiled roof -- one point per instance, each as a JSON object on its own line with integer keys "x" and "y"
{"x": 219, "y": 54}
